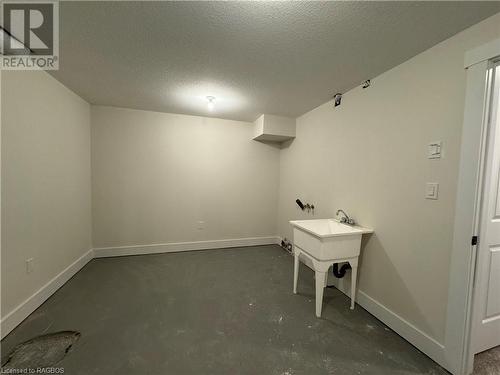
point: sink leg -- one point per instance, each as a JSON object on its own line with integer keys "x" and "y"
{"x": 354, "y": 278}
{"x": 320, "y": 285}
{"x": 296, "y": 264}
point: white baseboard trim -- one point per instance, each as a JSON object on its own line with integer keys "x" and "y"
{"x": 104, "y": 252}
{"x": 23, "y": 310}
{"x": 405, "y": 329}
{"x": 402, "y": 327}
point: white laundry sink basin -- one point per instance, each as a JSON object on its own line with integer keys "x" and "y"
{"x": 325, "y": 242}
{"x": 327, "y": 239}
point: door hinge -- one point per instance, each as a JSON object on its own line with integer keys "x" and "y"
{"x": 474, "y": 241}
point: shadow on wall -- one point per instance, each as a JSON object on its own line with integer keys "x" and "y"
{"x": 371, "y": 246}
{"x": 286, "y": 144}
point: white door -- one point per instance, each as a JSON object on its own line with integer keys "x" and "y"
{"x": 486, "y": 315}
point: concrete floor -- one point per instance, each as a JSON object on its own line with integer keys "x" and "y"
{"x": 214, "y": 312}
{"x": 488, "y": 362}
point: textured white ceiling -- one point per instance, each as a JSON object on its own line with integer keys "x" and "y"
{"x": 282, "y": 58}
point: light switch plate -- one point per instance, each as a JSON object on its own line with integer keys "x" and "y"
{"x": 431, "y": 190}
{"x": 434, "y": 150}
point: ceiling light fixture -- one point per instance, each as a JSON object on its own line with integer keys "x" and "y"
{"x": 211, "y": 103}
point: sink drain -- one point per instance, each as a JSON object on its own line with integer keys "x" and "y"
{"x": 42, "y": 351}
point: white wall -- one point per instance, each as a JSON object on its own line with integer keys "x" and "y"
{"x": 368, "y": 156}
{"x": 156, "y": 175}
{"x": 46, "y": 203}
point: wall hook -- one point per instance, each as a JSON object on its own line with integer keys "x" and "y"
{"x": 337, "y": 98}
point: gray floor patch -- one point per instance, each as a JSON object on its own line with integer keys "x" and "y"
{"x": 215, "y": 312}
{"x": 488, "y": 362}
{"x": 42, "y": 351}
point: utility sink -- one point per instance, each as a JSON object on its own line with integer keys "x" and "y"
{"x": 325, "y": 242}
{"x": 326, "y": 239}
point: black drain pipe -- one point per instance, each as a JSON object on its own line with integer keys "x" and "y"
{"x": 340, "y": 274}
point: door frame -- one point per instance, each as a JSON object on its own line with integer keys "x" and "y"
{"x": 478, "y": 62}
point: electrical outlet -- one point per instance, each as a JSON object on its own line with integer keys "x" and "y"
{"x": 30, "y": 264}
{"x": 201, "y": 225}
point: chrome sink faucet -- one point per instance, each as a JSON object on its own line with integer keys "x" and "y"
{"x": 345, "y": 219}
